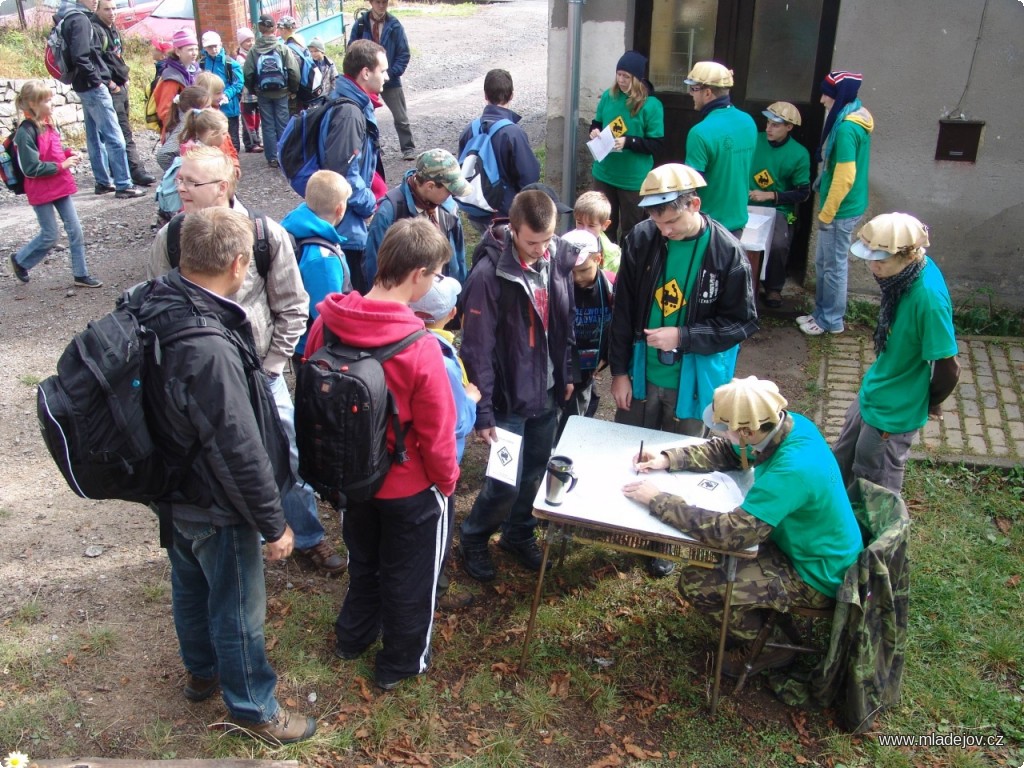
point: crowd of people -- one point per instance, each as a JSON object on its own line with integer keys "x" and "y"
{"x": 651, "y": 283}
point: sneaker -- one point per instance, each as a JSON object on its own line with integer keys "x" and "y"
{"x": 130, "y": 193}
{"x": 273, "y": 163}
{"x": 658, "y": 568}
{"x": 325, "y": 558}
{"x": 477, "y": 561}
{"x": 813, "y": 329}
{"x": 526, "y": 552}
{"x": 345, "y": 655}
{"x": 282, "y": 728}
{"x": 770, "y": 658}
{"x": 409, "y": 154}
{"x": 387, "y": 685}
{"x": 804, "y": 319}
{"x": 19, "y": 271}
{"x": 103, "y": 189}
{"x": 143, "y": 179}
{"x": 200, "y": 688}
{"x": 88, "y": 281}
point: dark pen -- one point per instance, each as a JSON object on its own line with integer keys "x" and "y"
{"x": 640, "y": 457}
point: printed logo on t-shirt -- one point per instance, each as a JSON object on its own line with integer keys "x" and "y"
{"x": 669, "y": 298}
{"x": 617, "y": 127}
{"x": 763, "y": 179}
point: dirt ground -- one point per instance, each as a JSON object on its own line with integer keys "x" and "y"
{"x": 78, "y": 565}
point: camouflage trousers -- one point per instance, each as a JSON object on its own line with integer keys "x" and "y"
{"x": 767, "y": 583}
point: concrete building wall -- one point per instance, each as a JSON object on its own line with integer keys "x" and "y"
{"x": 916, "y": 58}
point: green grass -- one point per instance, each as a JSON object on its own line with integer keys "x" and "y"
{"x": 29, "y": 379}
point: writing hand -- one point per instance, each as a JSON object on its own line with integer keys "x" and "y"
{"x": 649, "y": 461}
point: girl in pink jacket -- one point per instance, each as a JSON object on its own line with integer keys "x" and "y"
{"x": 49, "y": 185}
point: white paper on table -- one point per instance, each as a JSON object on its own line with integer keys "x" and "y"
{"x": 503, "y": 462}
{"x": 602, "y": 145}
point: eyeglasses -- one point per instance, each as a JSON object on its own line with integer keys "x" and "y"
{"x": 697, "y": 88}
{"x": 194, "y": 184}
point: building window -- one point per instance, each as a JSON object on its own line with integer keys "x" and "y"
{"x": 782, "y": 50}
{"x": 682, "y": 33}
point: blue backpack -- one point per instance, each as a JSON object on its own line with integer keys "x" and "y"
{"x": 168, "y": 201}
{"x": 271, "y": 73}
{"x": 480, "y": 169}
{"x": 299, "y": 148}
{"x": 311, "y": 79}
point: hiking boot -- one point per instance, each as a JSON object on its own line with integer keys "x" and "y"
{"x": 526, "y": 552}
{"x": 325, "y": 558}
{"x": 773, "y": 299}
{"x": 130, "y": 193}
{"x": 453, "y": 599}
{"x": 658, "y": 568}
{"x": 104, "y": 189}
{"x": 282, "y": 728}
{"x": 200, "y": 688}
{"x": 88, "y": 281}
{"x": 143, "y": 179}
{"x": 345, "y": 655}
{"x": 409, "y": 154}
{"x": 477, "y": 560}
{"x": 770, "y": 658}
{"x": 19, "y": 271}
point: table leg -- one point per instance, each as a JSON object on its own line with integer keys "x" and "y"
{"x": 552, "y": 530}
{"x": 730, "y": 580}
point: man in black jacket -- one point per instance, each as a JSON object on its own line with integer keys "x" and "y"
{"x": 210, "y": 408}
{"x": 90, "y": 76}
{"x": 111, "y": 51}
{"x": 517, "y": 342}
{"x": 683, "y": 303}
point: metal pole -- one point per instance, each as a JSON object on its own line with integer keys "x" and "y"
{"x": 572, "y": 101}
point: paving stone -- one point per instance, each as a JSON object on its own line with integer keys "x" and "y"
{"x": 1007, "y": 395}
{"x": 972, "y": 426}
{"x": 852, "y": 381}
{"x": 970, "y": 408}
{"x": 1016, "y": 430}
{"x": 1012, "y": 412}
{"x": 976, "y": 445}
{"x": 1005, "y": 378}
{"x": 1016, "y": 353}
{"x": 1019, "y": 445}
{"x": 962, "y": 346}
{"x": 931, "y": 431}
{"x": 967, "y": 390}
{"x": 966, "y": 374}
{"x": 996, "y": 436}
{"x": 986, "y": 383}
{"x": 954, "y": 439}
{"x": 990, "y": 400}
{"x": 1000, "y": 450}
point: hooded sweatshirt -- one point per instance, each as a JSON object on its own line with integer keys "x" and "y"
{"x": 418, "y": 381}
{"x": 844, "y": 177}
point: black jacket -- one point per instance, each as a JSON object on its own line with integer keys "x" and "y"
{"x": 504, "y": 347}
{"x": 208, "y": 397}
{"x": 721, "y": 313}
{"x": 90, "y": 71}
{"x": 111, "y": 51}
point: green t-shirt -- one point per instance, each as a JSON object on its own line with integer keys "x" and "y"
{"x": 721, "y": 147}
{"x": 627, "y": 169}
{"x": 894, "y": 392}
{"x": 852, "y": 145}
{"x": 780, "y": 169}
{"x": 670, "y": 300}
{"x": 799, "y": 492}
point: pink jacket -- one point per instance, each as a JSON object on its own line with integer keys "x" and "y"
{"x": 40, "y": 156}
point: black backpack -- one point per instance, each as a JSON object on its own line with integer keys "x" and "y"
{"x": 260, "y": 245}
{"x": 342, "y": 409}
{"x": 92, "y": 413}
{"x": 10, "y": 166}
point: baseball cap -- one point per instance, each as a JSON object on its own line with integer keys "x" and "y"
{"x": 541, "y": 187}
{"x": 888, "y": 233}
{"x": 667, "y": 182}
{"x": 782, "y": 112}
{"x": 710, "y": 73}
{"x": 441, "y": 167}
{"x": 267, "y": 21}
{"x": 744, "y": 403}
{"x": 210, "y": 38}
{"x": 438, "y": 301}
{"x": 583, "y": 240}
{"x": 287, "y": 22}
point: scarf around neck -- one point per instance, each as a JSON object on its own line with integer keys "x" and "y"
{"x": 893, "y": 289}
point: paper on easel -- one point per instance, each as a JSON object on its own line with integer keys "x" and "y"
{"x": 503, "y": 463}
{"x": 601, "y": 145}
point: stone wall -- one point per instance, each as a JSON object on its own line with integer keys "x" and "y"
{"x": 67, "y": 109}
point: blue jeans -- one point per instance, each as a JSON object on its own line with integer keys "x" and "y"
{"x": 35, "y": 250}
{"x": 274, "y": 118}
{"x": 104, "y": 139}
{"x": 300, "y": 502}
{"x": 219, "y": 601}
{"x": 511, "y": 507}
{"x": 831, "y": 260}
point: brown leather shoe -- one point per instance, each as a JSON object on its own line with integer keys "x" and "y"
{"x": 325, "y": 558}
{"x": 769, "y": 658}
{"x": 282, "y": 728}
{"x": 200, "y": 688}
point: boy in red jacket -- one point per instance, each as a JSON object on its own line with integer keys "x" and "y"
{"x": 396, "y": 540}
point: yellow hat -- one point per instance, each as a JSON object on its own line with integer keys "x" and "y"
{"x": 887, "y": 234}
{"x": 782, "y": 112}
{"x": 667, "y": 182}
{"x": 745, "y": 403}
{"x": 710, "y": 73}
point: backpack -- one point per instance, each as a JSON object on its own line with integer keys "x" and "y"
{"x": 342, "y": 410}
{"x": 480, "y": 169}
{"x": 311, "y": 79}
{"x": 92, "y": 414}
{"x": 168, "y": 200}
{"x": 10, "y": 166}
{"x": 299, "y": 148}
{"x": 55, "y": 57}
{"x": 271, "y": 73}
{"x": 229, "y": 71}
{"x": 152, "y": 114}
{"x": 260, "y": 246}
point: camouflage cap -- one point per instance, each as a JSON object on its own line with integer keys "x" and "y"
{"x": 441, "y": 167}
{"x": 744, "y": 404}
{"x": 287, "y": 22}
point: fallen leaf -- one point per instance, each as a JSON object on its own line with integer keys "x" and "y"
{"x": 1003, "y": 524}
{"x": 635, "y": 751}
{"x": 474, "y": 738}
{"x": 364, "y": 689}
{"x": 608, "y": 761}
{"x": 272, "y": 642}
{"x": 559, "y": 685}
{"x": 503, "y": 667}
{"x": 1013, "y": 581}
{"x": 290, "y": 702}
